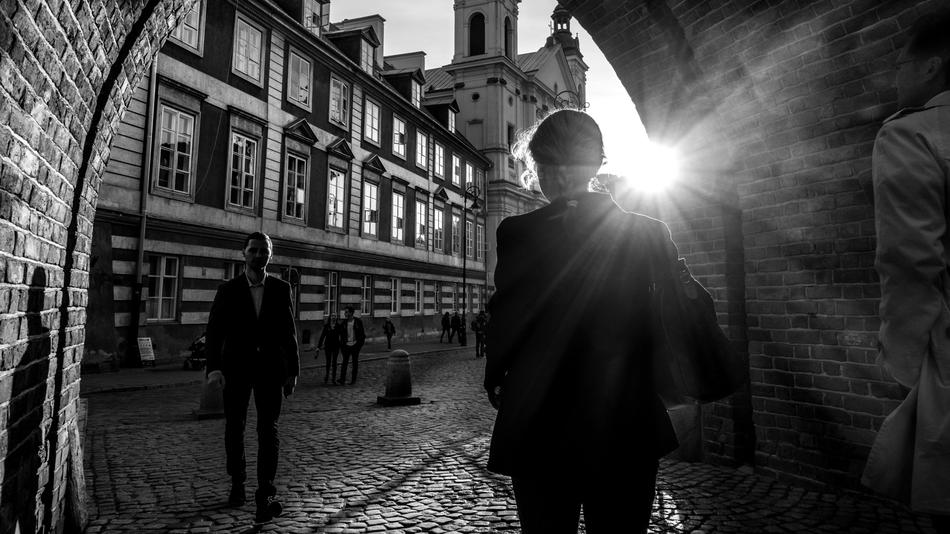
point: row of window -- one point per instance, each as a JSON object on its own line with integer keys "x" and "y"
{"x": 396, "y": 295}
{"x": 474, "y": 236}
{"x": 372, "y": 116}
{"x": 162, "y": 299}
{"x": 248, "y": 58}
{"x": 176, "y": 155}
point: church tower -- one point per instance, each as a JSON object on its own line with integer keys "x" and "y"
{"x": 501, "y": 93}
{"x": 561, "y": 33}
{"x": 485, "y": 29}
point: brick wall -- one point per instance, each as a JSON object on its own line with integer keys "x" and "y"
{"x": 66, "y": 75}
{"x": 774, "y": 106}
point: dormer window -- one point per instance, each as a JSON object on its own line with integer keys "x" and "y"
{"x": 451, "y": 121}
{"x": 416, "y": 94}
{"x": 366, "y": 56}
{"x": 312, "y": 17}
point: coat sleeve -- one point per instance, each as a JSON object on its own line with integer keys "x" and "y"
{"x": 359, "y": 332}
{"x": 323, "y": 336}
{"x": 504, "y": 317}
{"x": 291, "y": 353}
{"x": 214, "y": 333}
{"x": 910, "y": 222}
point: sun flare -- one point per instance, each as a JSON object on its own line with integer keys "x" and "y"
{"x": 648, "y": 167}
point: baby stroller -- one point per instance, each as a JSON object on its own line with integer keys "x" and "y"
{"x": 196, "y": 360}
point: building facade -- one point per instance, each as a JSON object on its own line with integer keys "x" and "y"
{"x": 263, "y": 116}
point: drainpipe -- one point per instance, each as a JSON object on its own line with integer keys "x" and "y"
{"x": 132, "y": 356}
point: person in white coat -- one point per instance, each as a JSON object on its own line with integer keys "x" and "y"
{"x": 910, "y": 459}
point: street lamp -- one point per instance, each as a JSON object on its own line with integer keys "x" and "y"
{"x": 473, "y": 192}
{"x": 570, "y": 100}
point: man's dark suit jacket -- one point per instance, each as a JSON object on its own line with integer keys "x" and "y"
{"x": 242, "y": 345}
{"x": 571, "y": 341}
{"x": 358, "y": 332}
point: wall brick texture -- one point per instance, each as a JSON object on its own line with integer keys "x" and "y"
{"x": 67, "y": 70}
{"x": 773, "y": 107}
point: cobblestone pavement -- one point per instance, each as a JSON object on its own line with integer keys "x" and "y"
{"x": 348, "y": 465}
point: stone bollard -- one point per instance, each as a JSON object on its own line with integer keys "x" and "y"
{"x": 398, "y": 381}
{"x": 212, "y": 402}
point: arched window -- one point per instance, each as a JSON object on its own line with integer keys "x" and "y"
{"x": 476, "y": 35}
{"x": 509, "y": 39}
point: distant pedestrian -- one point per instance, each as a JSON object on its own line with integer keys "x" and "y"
{"x": 480, "y": 327}
{"x": 390, "y": 330}
{"x": 330, "y": 343}
{"x": 252, "y": 346}
{"x": 910, "y": 169}
{"x": 446, "y": 327}
{"x": 456, "y": 326}
{"x": 352, "y": 337}
{"x": 579, "y": 419}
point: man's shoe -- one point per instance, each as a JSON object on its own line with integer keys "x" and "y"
{"x": 263, "y": 514}
{"x": 237, "y": 497}
{"x": 267, "y": 509}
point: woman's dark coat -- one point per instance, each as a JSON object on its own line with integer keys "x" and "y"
{"x": 571, "y": 340}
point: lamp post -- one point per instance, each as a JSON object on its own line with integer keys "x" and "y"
{"x": 473, "y": 192}
{"x": 570, "y": 100}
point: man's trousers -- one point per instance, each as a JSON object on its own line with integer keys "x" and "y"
{"x": 267, "y": 401}
{"x": 349, "y": 351}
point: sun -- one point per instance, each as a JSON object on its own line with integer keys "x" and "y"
{"x": 647, "y": 167}
{"x": 660, "y": 168}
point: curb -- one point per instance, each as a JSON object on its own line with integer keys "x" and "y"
{"x": 309, "y": 365}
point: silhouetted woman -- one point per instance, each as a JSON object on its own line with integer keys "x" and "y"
{"x": 330, "y": 342}
{"x": 579, "y": 421}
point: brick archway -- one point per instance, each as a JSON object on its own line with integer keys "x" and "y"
{"x": 66, "y": 76}
{"x": 775, "y": 106}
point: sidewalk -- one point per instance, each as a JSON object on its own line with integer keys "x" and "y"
{"x": 166, "y": 376}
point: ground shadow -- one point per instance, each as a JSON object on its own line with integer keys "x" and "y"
{"x": 26, "y": 450}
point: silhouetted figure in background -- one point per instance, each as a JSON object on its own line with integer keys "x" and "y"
{"x": 330, "y": 343}
{"x": 480, "y": 327}
{"x": 25, "y": 416}
{"x": 352, "y": 337}
{"x": 446, "y": 327}
{"x": 390, "y": 330}
{"x": 579, "y": 420}
{"x": 456, "y": 325}
{"x": 910, "y": 459}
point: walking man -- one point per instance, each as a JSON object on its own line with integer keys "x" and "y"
{"x": 352, "y": 337}
{"x": 252, "y": 346}
{"x": 910, "y": 459}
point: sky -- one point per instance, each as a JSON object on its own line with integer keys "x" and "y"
{"x": 609, "y": 103}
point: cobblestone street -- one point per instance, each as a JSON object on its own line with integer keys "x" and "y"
{"x": 348, "y": 465}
